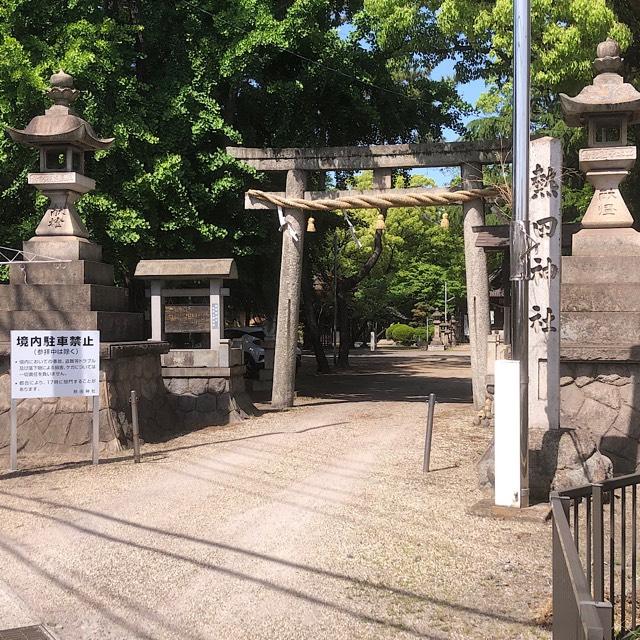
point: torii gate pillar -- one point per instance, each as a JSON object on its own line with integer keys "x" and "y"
{"x": 284, "y": 368}
{"x": 477, "y": 284}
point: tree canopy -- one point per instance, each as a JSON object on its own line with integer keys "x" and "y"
{"x": 176, "y": 82}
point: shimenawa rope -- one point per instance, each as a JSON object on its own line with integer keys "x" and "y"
{"x": 410, "y": 199}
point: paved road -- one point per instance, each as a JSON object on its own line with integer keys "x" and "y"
{"x": 314, "y": 523}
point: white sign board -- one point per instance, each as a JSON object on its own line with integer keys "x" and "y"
{"x": 507, "y": 433}
{"x": 55, "y": 364}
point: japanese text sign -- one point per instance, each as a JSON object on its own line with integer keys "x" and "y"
{"x": 55, "y": 364}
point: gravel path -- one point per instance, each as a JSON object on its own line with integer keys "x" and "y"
{"x": 314, "y": 523}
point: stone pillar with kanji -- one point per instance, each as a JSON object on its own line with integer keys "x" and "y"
{"x": 545, "y": 229}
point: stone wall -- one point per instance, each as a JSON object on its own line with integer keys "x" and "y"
{"x": 603, "y": 398}
{"x": 167, "y": 405}
{"x": 56, "y": 425}
{"x": 202, "y": 401}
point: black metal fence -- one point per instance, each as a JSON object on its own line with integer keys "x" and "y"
{"x": 595, "y": 561}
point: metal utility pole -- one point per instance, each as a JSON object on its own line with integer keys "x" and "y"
{"x": 446, "y": 301}
{"x": 520, "y": 225}
{"x": 335, "y": 297}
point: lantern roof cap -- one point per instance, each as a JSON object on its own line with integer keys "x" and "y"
{"x": 60, "y": 124}
{"x": 608, "y": 95}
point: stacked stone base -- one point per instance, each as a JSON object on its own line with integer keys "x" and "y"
{"x": 205, "y": 398}
{"x": 76, "y": 294}
{"x": 166, "y": 405}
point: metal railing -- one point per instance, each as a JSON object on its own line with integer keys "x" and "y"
{"x": 601, "y": 520}
{"x": 576, "y": 615}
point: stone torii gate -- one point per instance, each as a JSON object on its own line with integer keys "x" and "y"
{"x": 382, "y": 159}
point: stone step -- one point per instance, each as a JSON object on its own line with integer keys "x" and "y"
{"x": 74, "y": 272}
{"x": 114, "y": 326}
{"x": 600, "y": 327}
{"x": 592, "y": 269}
{"x": 600, "y": 297}
{"x": 63, "y": 297}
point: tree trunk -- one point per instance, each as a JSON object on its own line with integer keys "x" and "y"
{"x": 311, "y": 321}
{"x": 345, "y": 287}
{"x": 344, "y": 326}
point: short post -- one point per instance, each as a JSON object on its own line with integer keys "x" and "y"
{"x": 13, "y": 444}
{"x": 95, "y": 431}
{"x": 427, "y": 439}
{"x": 136, "y": 428}
{"x": 372, "y": 344}
{"x": 216, "y": 310}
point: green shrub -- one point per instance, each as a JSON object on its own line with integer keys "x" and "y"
{"x": 389, "y": 332}
{"x": 402, "y": 333}
{"x": 420, "y": 335}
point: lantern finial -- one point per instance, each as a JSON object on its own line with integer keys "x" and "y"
{"x": 61, "y": 91}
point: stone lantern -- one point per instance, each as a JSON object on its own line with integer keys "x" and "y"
{"x": 600, "y": 284}
{"x": 607, "y": 108}
{"x": 63, "y": 282}
{"x": 436, "y": 343}
{"x": 62, "y": 137}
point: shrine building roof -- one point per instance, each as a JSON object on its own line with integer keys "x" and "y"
{"x": 190, "y": 269}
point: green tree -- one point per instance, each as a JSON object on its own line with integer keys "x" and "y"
{"x": 564, "y": 36}
{"x": 415, "y": 256}
{"x": 175, "y": 82}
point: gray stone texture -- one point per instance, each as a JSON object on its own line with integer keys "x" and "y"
{"x": 63, "y": 297}
{"x": 601, "y": 327}
{"x": 71, "y": 248}
{"x": 559, "y": 459}
{"x": 56, "y": 425}
{"x": 603, "y": 399}
{"x": 619, "y": 269}
{"x": 203, "y": 401}
{"x": 113, "y": 326}
{"x": 75, "y": 272}
{"x": 166, "y": 406}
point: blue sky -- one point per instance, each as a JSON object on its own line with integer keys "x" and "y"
{"x": 469, "y": 92}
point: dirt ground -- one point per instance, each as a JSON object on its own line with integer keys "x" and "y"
{"x": 313, "y": 523}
